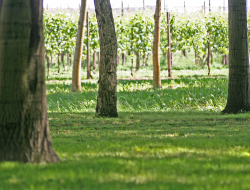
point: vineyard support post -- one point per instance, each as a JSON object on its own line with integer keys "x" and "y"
{"x": 208, "y": 55}
{"x": 169, "y": 45}
{"x": 88, "y": 50}
{"x": 122, "y": 10}
{"x": 76, "y": 73}
{"x": 204, "y": 7}
{"x": 209, "y": 6}
{"x": 156, "y": 46}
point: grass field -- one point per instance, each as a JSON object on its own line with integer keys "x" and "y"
{"x": 169, "y": 138}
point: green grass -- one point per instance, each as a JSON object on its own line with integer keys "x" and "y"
{"x": 170, "y": 138}
{"x": 147, "y": 150}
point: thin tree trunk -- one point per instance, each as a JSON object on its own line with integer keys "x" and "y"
{"x": 24, "y": 128}
{"x": 123, "y": 58}
{"x": 94, "y": 62}
{"x": 107, "y": 95}
{"x": 88, "y": 50}
{"x": 76, "y": 73}
{"x": 196, "y": 58}
{"x": 51, "y": 58}
{"x": 62, "y": 58}
{"x": 48, "y": 65}
{"x": 58, "y": 62}
{"x": 137, "y": 61}
{"x": 169, "y": 46}
{"x": 208, "y": 57}
{"x": 156, "y": 47}
{"x": 172, "y": 59}
{"x": 239, "y": 72}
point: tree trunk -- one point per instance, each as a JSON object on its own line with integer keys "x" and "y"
{"x": 123, "y": 58}
{"x": 156, "y": 47}
{"x": 58, "y": 62}
{"x": 76, "y": 73}
{"x": 48, "y": 65}
{"x": 196, "y": 58}
{"x": 137, "y": 61}
{"x": 88, "y": 50}
{"x": 169, "y": 46}
{"x": 24, "y": 128}
{"x": 94, "y": 61}
{"x": 208, "y": 57}
{"x": 107, "y": 95}
{"x": 239, "y": 73}
{"x": 99, "y": 59}
{"x": 118, "y": 59}
{"x": 62, "y": 59}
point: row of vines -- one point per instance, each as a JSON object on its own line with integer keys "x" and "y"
{"x": 190, "y": 32}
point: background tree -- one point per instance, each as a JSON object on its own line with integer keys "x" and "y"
{"x": 76, "y": 75}
{"x": 24, "y": 128}
{"x": 156, "y": 46}
{"x": 107, "y": 95}
{"x": 239, "y": 73}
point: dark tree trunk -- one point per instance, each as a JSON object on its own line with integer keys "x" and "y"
{"x": 239, "y": 73}
{"x": 88, "y": 50}
{"x": 58, "y": 62}
{"x": 62, "y": 59}
{"x": 137, "y": 61}
{"x": 107, "y": 95}
{"x": 123, "y": 58}
{"x": 94, "y": 62}
{"x": 48, "y": 65}
{"x": 24, "y": 128}
{"x": 99, "y": 59}
{"x": 196, "y": 58}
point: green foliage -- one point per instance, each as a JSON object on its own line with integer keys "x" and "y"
{"x": 135, "y": 33}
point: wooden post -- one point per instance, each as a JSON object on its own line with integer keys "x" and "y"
{"x": 88, "y": 50}
{"x": 169, "y": 45}
{"x": 122, "y": 10}
{"x": 208, "y": 55}
{"x": 209, "y": 6}
{"x": 204, "y": 6}
{"x": 144, "y": 5}
{"x": 184, "y": 6}
{"x": 123, "y": 54}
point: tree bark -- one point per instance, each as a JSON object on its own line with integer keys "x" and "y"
{"x": 107, "y": 95}
{"x": 94, "y": 61}
{"x": 137, "y": 61}
{"x": 156, "y": 47}
{"x": 48, "y": 65}
{"x": 239, "y": 72}
{"x": 24, "y": 128}
{"x": 169, "y": 46}
{"x": 88, "y": 50}
{"x": 76, "y": 73}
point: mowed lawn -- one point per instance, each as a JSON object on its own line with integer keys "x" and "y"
{"x": 169, "y": 138}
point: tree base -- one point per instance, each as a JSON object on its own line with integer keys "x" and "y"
{"x": 231, "y": 110}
